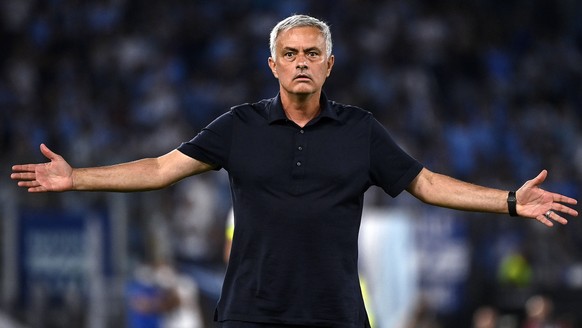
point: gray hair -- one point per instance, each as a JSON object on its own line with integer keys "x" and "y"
{"x": 300, "y": 21}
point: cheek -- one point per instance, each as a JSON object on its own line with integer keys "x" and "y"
{"x": 285, "y": 73}
{"x": 324, "y": 72}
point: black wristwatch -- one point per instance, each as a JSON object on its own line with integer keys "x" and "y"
{"x": 512, "y": 203}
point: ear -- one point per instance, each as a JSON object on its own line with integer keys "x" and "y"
{"x": 330, "y": 62}
{"x": 273, "y": 66}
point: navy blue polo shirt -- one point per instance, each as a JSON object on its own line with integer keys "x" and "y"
{"x": 298, "y": 195}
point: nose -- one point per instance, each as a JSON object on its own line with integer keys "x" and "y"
{"x": 302, "y": 66}
{"x": 301, "y": 62}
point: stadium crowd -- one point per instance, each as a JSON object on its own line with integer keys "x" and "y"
{"x": 486, "y": 91}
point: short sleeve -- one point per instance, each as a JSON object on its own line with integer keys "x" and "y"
{"x": 212, "y": 144}
{"x": 392, "y": 169}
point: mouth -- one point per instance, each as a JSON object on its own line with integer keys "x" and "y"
{"x": 302, "y": 77}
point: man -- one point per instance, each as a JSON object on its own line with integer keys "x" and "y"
{"x": 299, "y": 165}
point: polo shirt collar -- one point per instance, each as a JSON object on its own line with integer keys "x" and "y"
{"x": 276, "y": 112}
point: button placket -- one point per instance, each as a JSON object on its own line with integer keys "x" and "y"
{"x": 299, "y": 153}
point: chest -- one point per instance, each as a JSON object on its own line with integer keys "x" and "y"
{"x": 320, "y": 155}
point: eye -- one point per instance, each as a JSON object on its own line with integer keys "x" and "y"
{"x": 289, "y": 54}
{"x": 312, "y": 54}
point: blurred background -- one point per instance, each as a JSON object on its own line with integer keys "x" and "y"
{"x": 488, "y": 91}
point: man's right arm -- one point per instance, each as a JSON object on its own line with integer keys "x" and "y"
{"x": 141, "y": 175}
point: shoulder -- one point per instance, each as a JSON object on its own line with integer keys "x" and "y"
{"x": 246, "y": 109}
{"x": 347, "y": 112}
{"x": 259, "y": 105}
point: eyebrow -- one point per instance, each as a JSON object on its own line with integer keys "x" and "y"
{"x": 285, "y": 49}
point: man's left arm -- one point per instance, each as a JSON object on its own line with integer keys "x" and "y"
{"x": 531, "y": 201}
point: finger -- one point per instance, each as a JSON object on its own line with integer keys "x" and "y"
{"x": 564, "y": 209}
{"x": 540, "y": 178}
{"x": 37, "y": 189}
{"x": 564, "y": 199}
{"x": 47, "y": 152}
{"x": 23, "y": 176}
{"x": 28, "y": 184}
{"x": 558, "y": 218}
{"x": 24, "y": 168}
{"x": 544, "y": 220}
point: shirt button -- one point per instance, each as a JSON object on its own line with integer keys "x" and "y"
{"x": 298, "y": 163}
{"x": 300, "y": 148}
{"x": 301, "y": 131}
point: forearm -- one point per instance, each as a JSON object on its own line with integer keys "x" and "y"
{"x": 140, "y": 175}
{"x": 441, "y": 190}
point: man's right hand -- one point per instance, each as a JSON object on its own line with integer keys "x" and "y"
{"x": 55, "y": 175}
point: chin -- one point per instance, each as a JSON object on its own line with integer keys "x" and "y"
{"x": 304, "y": 91}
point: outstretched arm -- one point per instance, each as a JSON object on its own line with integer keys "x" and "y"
{"x": 141, "y": 175}
{"x": 532, "y": 201}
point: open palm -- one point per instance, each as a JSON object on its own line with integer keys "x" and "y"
{"x": 55, "y": 175}
{"x": 534, "y": 202}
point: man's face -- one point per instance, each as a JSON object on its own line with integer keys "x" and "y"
{"x": 301, "y": 63}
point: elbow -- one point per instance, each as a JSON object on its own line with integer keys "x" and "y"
{"x": 159, "y": 176}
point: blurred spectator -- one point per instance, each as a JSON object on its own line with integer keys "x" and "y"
{"x": 485, "y": 317}
{"x": 148, "y": 301}
{"x": 423, "y": 316}
{"x": 159, "y": 297}
{"x": 539, "y": 310}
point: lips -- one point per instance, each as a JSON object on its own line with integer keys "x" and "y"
{"x": 302, "y": 77}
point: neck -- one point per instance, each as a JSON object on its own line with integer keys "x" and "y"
{"x": 301, "y": 108}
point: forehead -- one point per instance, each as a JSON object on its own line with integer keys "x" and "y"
{"x": 301, "y": 37}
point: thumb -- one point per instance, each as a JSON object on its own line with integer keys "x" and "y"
{"x": 47, "y": 152}
{"x": 540, "y": 178}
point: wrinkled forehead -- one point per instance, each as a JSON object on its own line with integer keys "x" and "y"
{"x": 301, "y": 37}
